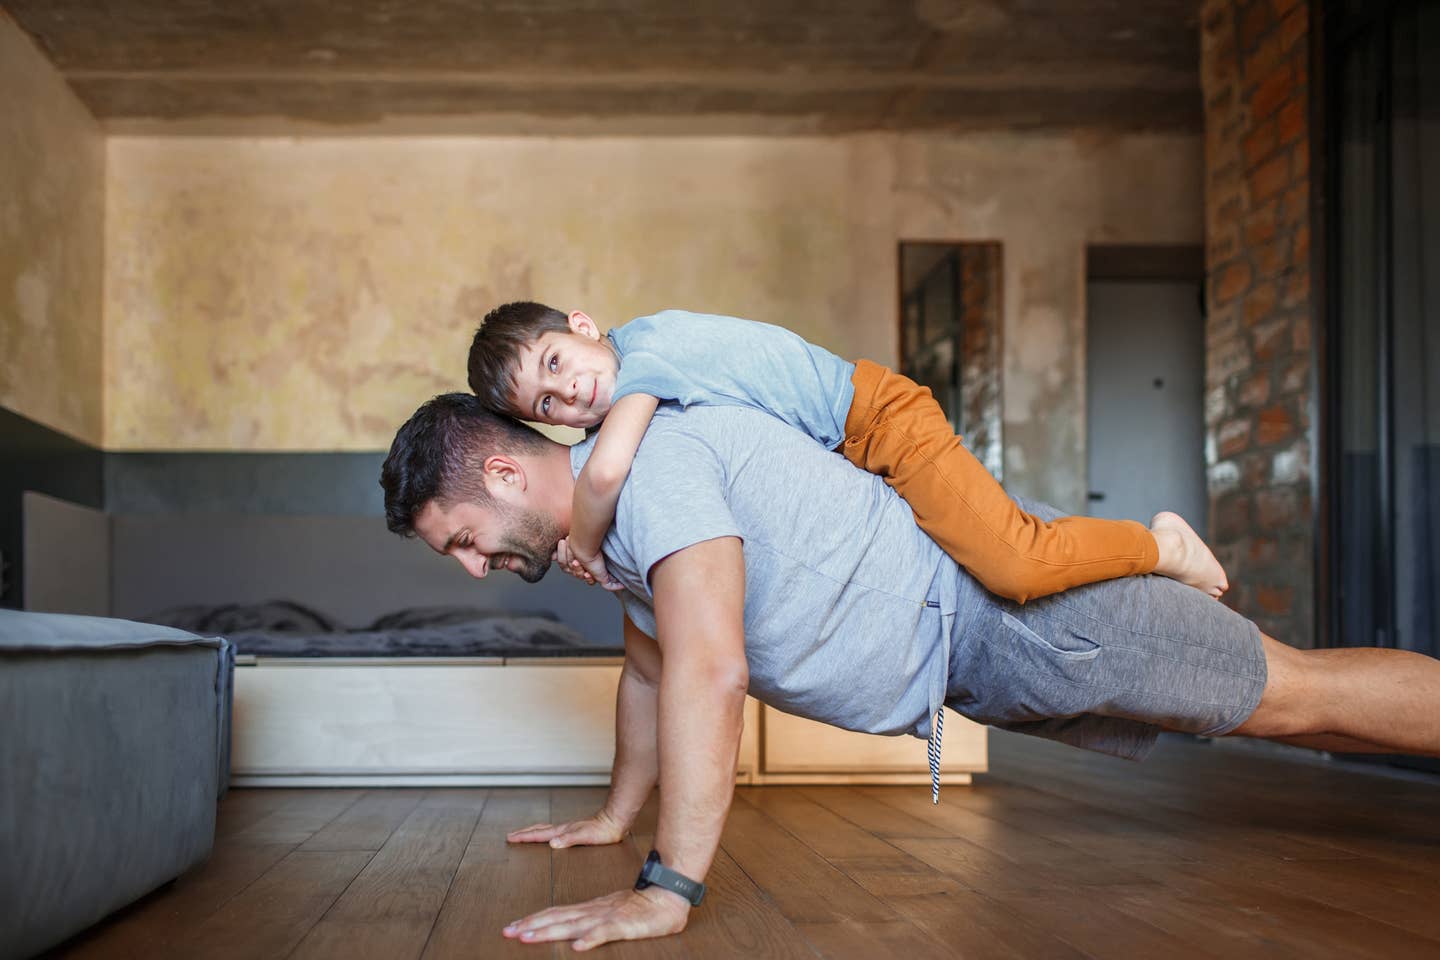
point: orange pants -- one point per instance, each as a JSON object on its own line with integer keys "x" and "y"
{"x": 896, "y": 429}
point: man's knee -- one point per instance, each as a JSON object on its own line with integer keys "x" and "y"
{"x": 1288, "y": 706}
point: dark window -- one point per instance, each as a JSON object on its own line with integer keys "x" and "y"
{"x": 1383, "y": 151}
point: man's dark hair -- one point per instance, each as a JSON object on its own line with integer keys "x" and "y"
{"x": 440, "y": 452}
{"x": 495, "y": 351}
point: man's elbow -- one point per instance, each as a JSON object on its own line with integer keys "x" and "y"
{"x": 725, "y": 679}
{"x": 731, "y": 682}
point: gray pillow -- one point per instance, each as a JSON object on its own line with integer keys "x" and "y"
{"x": 274, "y": 616}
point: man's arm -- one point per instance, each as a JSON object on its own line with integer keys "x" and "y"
{"x": 699, "y": 614}
{"x": 699, "y": 611}
{"x": 636, "y": 766}
{"x": 637, "y": 757}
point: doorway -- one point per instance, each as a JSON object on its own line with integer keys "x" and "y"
{"x": 1145, "y": 382}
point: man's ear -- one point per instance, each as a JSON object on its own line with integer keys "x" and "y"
{"x": 503, "y": 476}
{"x": 582, "y": 324}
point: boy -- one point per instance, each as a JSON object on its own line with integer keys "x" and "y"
{"x": 535, "y": 363}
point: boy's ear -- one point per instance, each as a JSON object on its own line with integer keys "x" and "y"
{"x": 582, "y": 324}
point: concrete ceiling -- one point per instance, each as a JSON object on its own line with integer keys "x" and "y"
{"x": 632, "y": 66}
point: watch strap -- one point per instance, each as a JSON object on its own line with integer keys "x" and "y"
{"x": 656, "y": 874}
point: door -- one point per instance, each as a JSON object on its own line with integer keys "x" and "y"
{"x": 1145, "y": 381}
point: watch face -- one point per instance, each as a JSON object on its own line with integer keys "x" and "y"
{"x": 647, "y": 871}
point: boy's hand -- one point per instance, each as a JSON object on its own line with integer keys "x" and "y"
{"x": 592, "y": 569}
{"x": 595, "y": 566}
{"x": 569, "y": 564}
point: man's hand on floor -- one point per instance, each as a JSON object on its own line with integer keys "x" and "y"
{"x": 593, "y": 831}
{"x": 623, "y": 915}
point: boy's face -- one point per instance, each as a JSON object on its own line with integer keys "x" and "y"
{"x": 566, "y": 378}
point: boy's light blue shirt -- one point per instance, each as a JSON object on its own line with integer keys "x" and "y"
{"x": 700, "y": 358}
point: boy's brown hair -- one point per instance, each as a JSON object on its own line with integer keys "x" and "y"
{"x": 495, "y": 351}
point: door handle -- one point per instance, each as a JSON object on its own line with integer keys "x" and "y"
{"x": 1096, "y": 495}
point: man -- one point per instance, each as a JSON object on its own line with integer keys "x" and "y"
{"x": 754, "y": 559}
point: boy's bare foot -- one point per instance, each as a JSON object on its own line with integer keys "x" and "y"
{"x": 1185, "y": 557}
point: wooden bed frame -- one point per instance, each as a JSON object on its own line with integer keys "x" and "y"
{"x": 530, "y": 722}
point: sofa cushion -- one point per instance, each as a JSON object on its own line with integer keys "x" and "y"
{"x": 22, "y": 631}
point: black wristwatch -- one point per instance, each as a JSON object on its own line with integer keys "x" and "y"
{"x": 656, "y": 874}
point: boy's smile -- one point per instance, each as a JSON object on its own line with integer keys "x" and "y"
{"x": 566, "y": 378}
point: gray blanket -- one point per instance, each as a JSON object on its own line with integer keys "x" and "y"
{"x": 283, "y": 628}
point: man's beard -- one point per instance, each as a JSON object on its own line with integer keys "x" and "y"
{"x": 531, "y": 539}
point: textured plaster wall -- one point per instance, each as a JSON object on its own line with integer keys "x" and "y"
{"x": 308, "y": 294}
{"x": 52, "y": 177}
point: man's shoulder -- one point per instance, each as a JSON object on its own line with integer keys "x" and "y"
{"x": 674, "y": 426}
{"x": 711, "y": 424}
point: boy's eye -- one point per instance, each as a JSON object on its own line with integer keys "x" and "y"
{"x": 552, "y": 363}
{"x": 545, "y": 406}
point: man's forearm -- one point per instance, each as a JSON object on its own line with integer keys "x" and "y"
{"x": 701, "y": 718}
{"x": 699, "y": 613}
{"x": 636, "y": 751}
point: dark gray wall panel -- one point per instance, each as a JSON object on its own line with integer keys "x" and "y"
{"x": 276, "y": 483}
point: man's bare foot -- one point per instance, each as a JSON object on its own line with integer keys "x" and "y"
{"x": 1185, "y": 557}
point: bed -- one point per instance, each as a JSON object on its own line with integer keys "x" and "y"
{"x": 392, "y": 667}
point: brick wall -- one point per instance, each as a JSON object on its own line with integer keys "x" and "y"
{"x": 1259, "y": 368}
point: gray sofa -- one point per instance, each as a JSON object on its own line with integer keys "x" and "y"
{"x": 114, "y": 743}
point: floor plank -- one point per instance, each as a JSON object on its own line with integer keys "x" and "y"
{"x": 804, "y": 886}
{"x": 827, "y": 833}
{"x": 975, "y": 926}
{"x": 852, "y": 940}
{"x": 302, "y": 815}
{"x": 879, "y": 819}
{"x": 1302, "y": 925}
{"x": 368, "y": 823}
{"x": 243, "y": 808}
{"x": 738, "y": 919}
{"x": 291, "y": 897}
{"x": 1091, "y": 925}
{"x": 388, "y": 911}
{"x": 496, "y": 883}
{"x": 149, "y": 927}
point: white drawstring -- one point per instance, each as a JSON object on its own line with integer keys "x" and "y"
{"x": 937, "y": 730}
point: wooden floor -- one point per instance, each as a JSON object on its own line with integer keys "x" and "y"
{"x": 1201, "y": 851}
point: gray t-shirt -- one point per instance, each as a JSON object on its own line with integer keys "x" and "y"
{"x": 848, "y": 605}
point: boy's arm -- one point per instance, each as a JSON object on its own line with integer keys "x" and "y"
{"x": 598, "y": 487}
